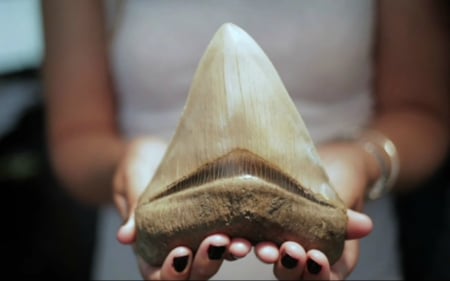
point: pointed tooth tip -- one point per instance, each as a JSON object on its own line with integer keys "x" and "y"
{"x": 229, "y": 27}
{"x": 231, "y": 32}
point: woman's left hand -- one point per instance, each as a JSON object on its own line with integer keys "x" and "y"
{"x": 346, "y": 165}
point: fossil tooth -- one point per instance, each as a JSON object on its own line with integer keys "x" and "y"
{"x": 241, "y": 162}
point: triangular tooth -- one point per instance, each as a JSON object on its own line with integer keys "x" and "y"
{"x": 237, "y": 100}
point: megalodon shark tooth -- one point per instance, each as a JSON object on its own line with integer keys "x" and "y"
{"x": 241, "y": 162}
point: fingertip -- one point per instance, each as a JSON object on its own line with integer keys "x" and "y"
{"x": 209, "y": 256}
{"x": 127, "y": 232}
{"x": 217, "y": 239}
{"x": 291, "y": 262}
{"x": 358, "y": 216}
{"x": 293, "y": 249}
{"x": 212, "y": 248}
{"x": 177, "y": 265}
{"x": 317, "y": 266}
{"x": 267, "y": 252}
{"x": 239, "y": 247}
{"x": 317, "y": 256}
{"x": 359, "y": 225}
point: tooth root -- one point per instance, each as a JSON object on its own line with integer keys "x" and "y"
{"x": 237, "y": 100}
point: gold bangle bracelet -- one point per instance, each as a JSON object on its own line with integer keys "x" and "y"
{"x": 385, "y": 153}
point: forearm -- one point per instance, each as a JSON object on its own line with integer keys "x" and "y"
{"x": 84, "y": 139}
{"x": 85, "y": 165}
{"x": 411, "y": 86}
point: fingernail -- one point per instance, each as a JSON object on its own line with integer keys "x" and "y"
{"x": 180, "y": 263}
{"x": 313, "y": 267}
{"x": 289, "y": 262}
{"x": 216, "y": 252}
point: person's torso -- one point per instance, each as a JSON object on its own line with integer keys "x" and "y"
{"x": 323, "y": 53}
{"x": 321, "y": 49}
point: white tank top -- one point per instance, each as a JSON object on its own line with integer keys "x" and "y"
{"x": 322, "y": 51}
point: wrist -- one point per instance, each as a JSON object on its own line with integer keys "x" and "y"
{"x": 381, "y": 161}
{"x": 350, "y": 169}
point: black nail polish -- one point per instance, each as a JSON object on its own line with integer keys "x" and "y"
{"x": 216, "y": 253}
{"x": 289, "y": 262}
{"x": 180, "y": 263}
{"x": 313, "y": 267}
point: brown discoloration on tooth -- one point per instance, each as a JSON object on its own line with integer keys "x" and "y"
{"x": 241, "y": 162}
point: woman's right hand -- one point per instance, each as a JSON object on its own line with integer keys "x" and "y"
{"x": 133, "y": 174}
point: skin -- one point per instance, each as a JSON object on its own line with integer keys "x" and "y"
{"x": 411, "y": 93}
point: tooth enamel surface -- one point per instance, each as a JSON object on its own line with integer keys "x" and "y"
{"x": 241, "y": 161}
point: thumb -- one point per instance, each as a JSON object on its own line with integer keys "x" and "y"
{"x": 359, "y": 225}
{"x": 127, "y": 232}
{"x": 125, "y": 202}
{"x": 135, "y": 173}
{"x": 125, "y": 198}
{"x": 137, "y": 181}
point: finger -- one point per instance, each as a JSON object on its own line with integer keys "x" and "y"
{"x": 127, "y": 232}
{"x": 119, "y": 196}
{"x": 125, "y": 194}
{"x": 342, "y": 268}
{"x": 267, "y": 252}
{"x": 209, "y": 256}
{"x": 317, "y": 266}
{"x": 358, "y": 225}
{"x": 291, "y": 263}
{"x": 134, "y": 173}
{"x": 238, "y": 249}
{"x": 176, "y": 266}
{"x": 127, "y": 187}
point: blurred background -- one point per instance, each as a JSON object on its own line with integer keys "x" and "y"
{"x": 48, "y": 235}
{"x": 45, "y": 234}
